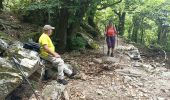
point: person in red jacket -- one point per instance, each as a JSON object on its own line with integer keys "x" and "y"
{"x": 110, "y": 33}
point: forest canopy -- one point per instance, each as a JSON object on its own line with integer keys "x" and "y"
{"x": 140, "y": 21}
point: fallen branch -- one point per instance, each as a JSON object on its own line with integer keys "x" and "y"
{"x": 129, "y": 74}
{"x": 5, "y": 28}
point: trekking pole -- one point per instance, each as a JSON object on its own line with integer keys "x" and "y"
{"x": 103, "y": 44}
{"x": 18, "y": 66}
{"x": 104, "y": 39}
{"x": 117, "y": 40}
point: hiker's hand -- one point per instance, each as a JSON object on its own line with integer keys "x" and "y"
{"x": 56, "y": 55}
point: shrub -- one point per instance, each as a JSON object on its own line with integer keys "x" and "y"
{"x": 77, "y": 43}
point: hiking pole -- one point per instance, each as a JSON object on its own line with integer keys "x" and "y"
{"x": 117, "y": 40}
{"x": 103, "y": 44}
{"x": 104, "y": 32}
{"x": 18, "y": 66}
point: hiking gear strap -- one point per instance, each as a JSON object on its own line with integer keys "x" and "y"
{"x": 18, "y": 66}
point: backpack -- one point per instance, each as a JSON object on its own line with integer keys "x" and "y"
{"x": 32, "y": 46}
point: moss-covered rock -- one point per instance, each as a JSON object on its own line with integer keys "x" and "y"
{"x": 90, "y": 42}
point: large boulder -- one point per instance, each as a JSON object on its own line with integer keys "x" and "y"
{"x": 134, "y": 54}
{"x": 131, "y": 50}
{"x": 53, "y": 91}
{"x": 10, "y": 76}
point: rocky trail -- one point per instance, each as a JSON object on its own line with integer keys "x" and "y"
{"x": 112, "y": 78}
{"x": 120, "y": 77}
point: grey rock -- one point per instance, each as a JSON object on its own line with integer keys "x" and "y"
{"x": 3, "y": 44}
{"x": 97, "y": 60}
{"x": 99, "y": 92}
{"x": 108, "y": 66}
{"x": 161, "y": 98}
{"x": 75, "y": 53}
{"x": 66, "y": 95}
{"x": 131, "y": 72}
{"x": 166, "y": 74}
{"x": 148, "y": 67}
{"x": 134, "y": 54}
{"x": 91, "y": 63}
{"x": 109, "y": 59}
{"x": 127, "y": 79}
{"x": 137, "y": 64}
{"x": 53, "y": 91}
{"x": 126, "y": 48}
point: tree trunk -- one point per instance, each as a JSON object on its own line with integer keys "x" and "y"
{"x": 142, "y": 35}
{"x": 61, "y": 31}
{"x": 74, "y": 27}
{"x": 91, "y": 27}
{"x": 134, "y": 34}
{"x": 164, "y": 36}
{"x": 121, "y": 16}
{"x": 159, "y": 33}
{"x": 135, "y": 29}
{"x": 91, "y": 18}
{"x": 142, "y": 31}
{"x": 1, "y": 5}
{"x": 130, "y": 31}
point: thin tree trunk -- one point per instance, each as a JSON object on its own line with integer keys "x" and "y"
{"x": 94, "y": 31}
{"x": 142, "y": 31}
{"x": 135, "y": 29}
{"x": 121, "y": 16}
{"x": 1, "y": 5}
{"x": 142, "y": 35}
{"x": 130, "y": 31}
{"x": 121, "y": 23}
{"x": 164, "y": 36}
{"x": 91, "y": 19}
{"x": 159, "y": 33}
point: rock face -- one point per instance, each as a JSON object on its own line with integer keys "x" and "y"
{"x": 10, "y": 76}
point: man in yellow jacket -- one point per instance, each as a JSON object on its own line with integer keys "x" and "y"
{"x": 47, "y": 51}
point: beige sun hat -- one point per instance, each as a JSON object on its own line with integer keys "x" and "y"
{"x": 48, "y": 27}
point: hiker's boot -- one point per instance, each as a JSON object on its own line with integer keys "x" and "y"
{"x": 46, "y": 76}
{"x": 108, "y": 53}
{"x": 62, "y": 81}
{"x": 112, "y": 55}
{"x": 74, "y": 72}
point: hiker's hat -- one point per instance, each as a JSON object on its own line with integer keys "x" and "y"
{"x": 48, "y": 27}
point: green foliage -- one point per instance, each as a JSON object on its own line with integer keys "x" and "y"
{"x": 77, "y": 43}
{"x": 167, "y": 45}
{"x": 102, "y": 18}
{"x": 45, "y": 5}
{"x": 15, "y": 5}
{"x": 147, "y": 21}
{"x": 94, "y": 45}
{"x": 5, "y": 36}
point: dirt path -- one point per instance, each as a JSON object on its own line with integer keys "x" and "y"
{"x": 130, "y": 80}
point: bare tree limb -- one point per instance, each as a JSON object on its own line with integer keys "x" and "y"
{"x": 109, "y": 5}
{"x": 117, "y": 13}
